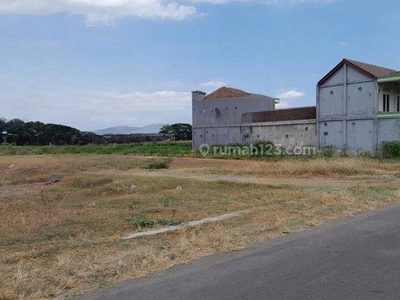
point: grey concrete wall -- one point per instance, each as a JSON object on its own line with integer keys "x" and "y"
{"x": 331, "y": 134}
{"x": 360, "y": 136}
{"x": 347, "y": 108}
{"x": 388, "y": 129}
{"x": 214, "y": 119}
{"x": 227, "y": 111}
{"x": 287, "y": 134}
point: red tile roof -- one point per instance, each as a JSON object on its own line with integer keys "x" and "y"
{"x": 372, "y": 71}
{"x": 226, "y": 92}
{"x": 290, "y": 114}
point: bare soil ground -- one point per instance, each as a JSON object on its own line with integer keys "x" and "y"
{"x": 62, "y": 239}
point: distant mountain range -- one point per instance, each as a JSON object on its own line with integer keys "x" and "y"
{"x": 153, "y": 128}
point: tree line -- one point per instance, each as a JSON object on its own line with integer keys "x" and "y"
{"x": 22, "y": 133}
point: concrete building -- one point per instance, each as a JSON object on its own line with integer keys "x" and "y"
{"x": 358, "y": 107}
{"x": 217, "y": 117}
{"x": 231, "y": 116}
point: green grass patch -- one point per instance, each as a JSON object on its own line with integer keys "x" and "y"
{"x": 390, "y": 149}
{"x": 146, "y": 223}
{"x": 156, "y": 149}
{"x": 158, "y": 165}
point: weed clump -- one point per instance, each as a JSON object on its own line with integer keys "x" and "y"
{"x": 390, "y": 149}
{"x": 146, "y": 223}
{"x": 158, "y": 165}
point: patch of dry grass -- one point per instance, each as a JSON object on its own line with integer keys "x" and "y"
{"x": 66, "y": 237}
{"x": 33, "y": 169}
{"x": 336, "y": 167}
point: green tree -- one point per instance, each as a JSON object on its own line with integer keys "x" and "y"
{"x": 37, "y": 133}
{"x": 16, "y": 132}
{"x": 180, "y": 131}
{"x": 3, "y": 124}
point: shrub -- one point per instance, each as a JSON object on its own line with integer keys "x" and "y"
{"x": 169, "y": 222}
{"x": 158, "y": 164}
{"x": 390, "y": 149}
{"x": 328, "y": 152}
{"x": 146, "y": 223}
{"x": 367, "y": 154}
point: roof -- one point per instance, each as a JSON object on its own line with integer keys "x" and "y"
{"x": 226, "y": 92}
{"x": 199, "y": 92}
{"x": 376, "y": 71}
{"x": 372, "y": 71}
{"x": 397, "y": 73}
{"x": 290, "y": 114}
{"x": 393, "y": 77}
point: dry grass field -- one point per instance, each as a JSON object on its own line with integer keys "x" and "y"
{"x": 64, "y": 238}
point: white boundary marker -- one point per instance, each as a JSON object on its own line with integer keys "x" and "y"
{"x": 190, "y": 224}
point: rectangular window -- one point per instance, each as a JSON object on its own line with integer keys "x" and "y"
{"x": 386, "y": 102}
{"x": 398, "y": 103}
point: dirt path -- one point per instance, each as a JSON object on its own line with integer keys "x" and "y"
{"x": 326, "y": 182}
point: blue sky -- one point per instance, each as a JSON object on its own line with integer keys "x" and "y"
{"x": 98, "y": 63}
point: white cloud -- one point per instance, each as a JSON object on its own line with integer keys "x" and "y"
{"x": 342, "y": 44}
{"x": 105, "y": 11}
{"x": 92, "y": 112}
{"x": 290, "y": 94}
{"x": 213, "y": 84}
{"x": 283, "y": 105}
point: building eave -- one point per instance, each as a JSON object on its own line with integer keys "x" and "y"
{"x": 335, "y": 69}
{"x": 389, "y": 78}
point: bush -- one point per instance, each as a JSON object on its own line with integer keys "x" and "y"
{"x": 158, "y": 164}
{"x": 143, "y": 223}
{"x": 146, "y": 223}
{"x": 390, "y": 149}
{"x": 327, "y": 152}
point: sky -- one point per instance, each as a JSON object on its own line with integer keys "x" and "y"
{"x": 93, "y": 64}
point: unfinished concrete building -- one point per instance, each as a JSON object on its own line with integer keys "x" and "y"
{"x": 358, "y": 107}
{"x": 217, "y": 117}
{"x": 231, "y": 116}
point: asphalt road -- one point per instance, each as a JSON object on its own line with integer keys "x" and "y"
{"x": 355, "y": 258}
